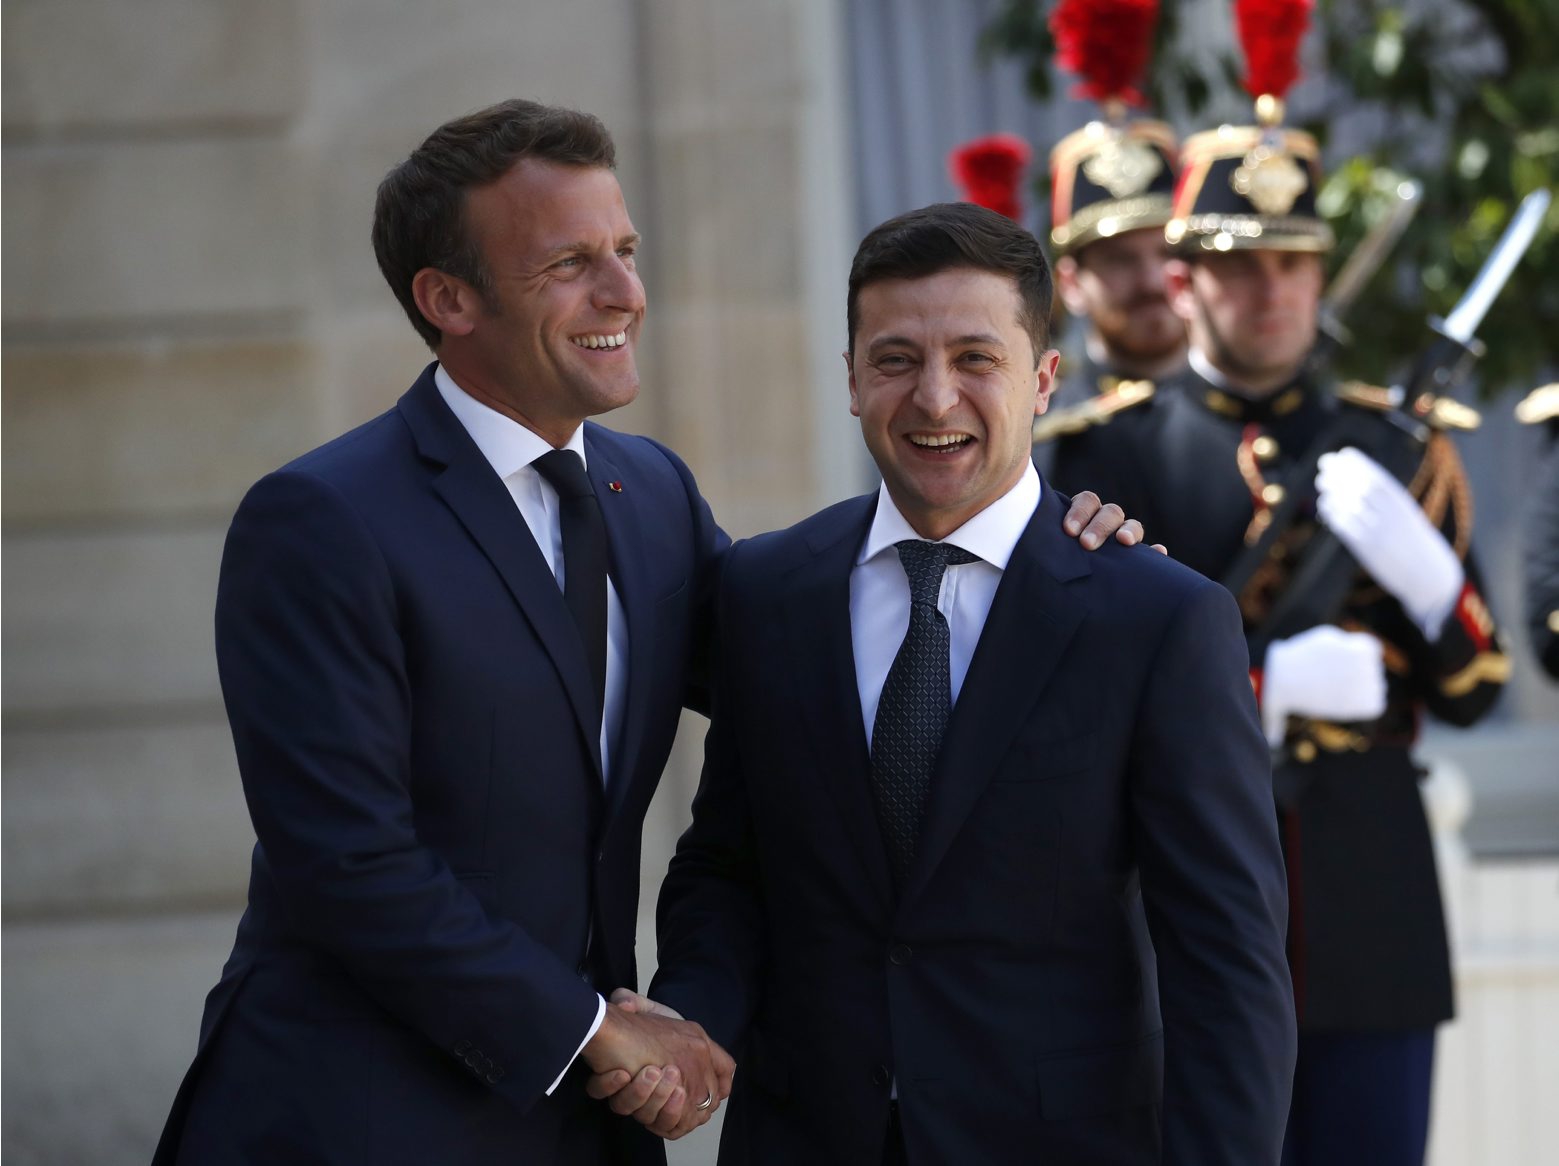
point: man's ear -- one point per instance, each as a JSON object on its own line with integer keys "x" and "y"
{"x": 855, "y": 400}
{"x": 1178, "y": 290}
{"x": 447, "y": 302}
{"x": 1045, "y": 379}
{"x": 1066, "y": 286}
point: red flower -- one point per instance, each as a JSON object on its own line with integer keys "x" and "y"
{"x": 989, "y": 171}
{"x": 1270, "y": 32}
{"x": 1106, "y": 43}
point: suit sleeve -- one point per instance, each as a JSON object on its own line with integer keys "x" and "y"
{"x": 709, "y": 921}
{"x": 314, "y": 676}
{"x": 1214, "y": 888}
{"x": 1540, "y": 563}
{"x": 710, "y": 545}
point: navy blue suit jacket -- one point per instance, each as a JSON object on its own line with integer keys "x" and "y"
{"x": 1086, "y": 965}
{"x": 441, "y": 882}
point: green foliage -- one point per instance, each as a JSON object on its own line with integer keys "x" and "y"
{"x": 1462, "y": 95}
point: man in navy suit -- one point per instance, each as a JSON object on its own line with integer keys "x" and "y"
{"x": 448, "y": 725}
{"x": 983, "y": 865}
{"x": 448, "y": 799}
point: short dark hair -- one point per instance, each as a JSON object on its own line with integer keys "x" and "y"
{"x": 951, "y": 235}
{"x": 419, "y": 214}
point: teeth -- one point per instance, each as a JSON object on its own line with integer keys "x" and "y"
{"x": 614, "y": 341}
{"x": 939, "y": 441}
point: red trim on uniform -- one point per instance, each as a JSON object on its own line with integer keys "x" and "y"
{"x": 1472, "y": 614}
{"x": 1255, "y": 684}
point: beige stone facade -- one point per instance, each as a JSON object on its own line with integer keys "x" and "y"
{"x": 190, "y": 299}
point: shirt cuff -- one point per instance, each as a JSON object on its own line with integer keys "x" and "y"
{"x": 595, "y": 1027}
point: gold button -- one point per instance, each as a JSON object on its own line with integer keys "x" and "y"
{"x": 1265, "y": 448}
{"x": 1304, "y": 752}
{"x": 1272, "y": 494}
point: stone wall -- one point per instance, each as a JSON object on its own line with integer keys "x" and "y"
{"x": 190, "y": 299}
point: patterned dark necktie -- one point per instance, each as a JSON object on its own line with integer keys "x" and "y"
{"x": 915, "y": 705}
{"x": 584, "y": 557}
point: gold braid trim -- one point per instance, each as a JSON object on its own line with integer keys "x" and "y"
{"x": 1440, "y": 486}
{"x": 1486, "y": 668}
{"x": 1255, "y": 482}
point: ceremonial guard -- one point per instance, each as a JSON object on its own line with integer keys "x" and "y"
{"x": 1111, "y": 191}
{"x": 1540, "y": 408}
{"x": 1259, "y": 471}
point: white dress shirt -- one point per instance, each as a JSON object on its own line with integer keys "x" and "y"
{"x": 510, "y": 448}
{"x": 879, "y": 589}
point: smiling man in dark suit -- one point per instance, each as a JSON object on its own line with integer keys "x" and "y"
{"x": 454, "y": 645}
{"x": 983, "y": 866}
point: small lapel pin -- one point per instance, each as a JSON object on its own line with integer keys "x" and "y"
{"x": 615, "y": 487}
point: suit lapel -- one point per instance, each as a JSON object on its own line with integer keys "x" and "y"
{"x": 623, "y": 512}
{"x": 1031, "y": 621}
{"x": 821, "y": 664}
{"x": 483, "y": 505}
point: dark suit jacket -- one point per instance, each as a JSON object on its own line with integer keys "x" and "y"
{"x": 409, "y": 700}
{"x": 1102, "y": 793}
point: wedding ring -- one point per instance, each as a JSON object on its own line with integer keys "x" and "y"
{"x": 705, "y": 1103}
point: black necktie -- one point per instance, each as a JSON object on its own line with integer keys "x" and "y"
{"x": 584, "y": 557}
{"x": 916, "y": 701}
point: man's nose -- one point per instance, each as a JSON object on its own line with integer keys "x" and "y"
{"x": 619, "y": 289}
{"x": 937, "y": 390}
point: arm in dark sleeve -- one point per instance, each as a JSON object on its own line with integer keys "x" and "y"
{"x": 1460, "y": 673}
{"x": 314, "y": 675}
{"x": 710, "y": 920}
{"x": 710, "y": 544}
{"x": 1540, "y": 564}
{"x": 1215, "y": 891}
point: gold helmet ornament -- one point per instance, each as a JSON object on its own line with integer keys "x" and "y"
{"x": 1115, "y": 174}
{"x": 1254, "y": 186}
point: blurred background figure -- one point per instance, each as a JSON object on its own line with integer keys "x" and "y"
{"x": 1224, "y": 464}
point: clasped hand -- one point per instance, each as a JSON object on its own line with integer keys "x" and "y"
{"x": 650, "y": 1063}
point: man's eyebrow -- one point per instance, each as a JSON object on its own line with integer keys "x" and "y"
{"x": 578, "y": 245}
{"x": 891, "y": 342}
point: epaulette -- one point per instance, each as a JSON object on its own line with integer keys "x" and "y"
{"x": 1094, "y": 411}
{"x": 1381, "y": 400}
{"x": 1436, "y": 412}
{"x": 1541, "y": 404}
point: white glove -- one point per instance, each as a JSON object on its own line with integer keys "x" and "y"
{"x": 1324, "y": 672}
{"x": 1388, "y": 533}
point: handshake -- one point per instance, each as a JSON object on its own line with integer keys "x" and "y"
{"x": 650, "y": 1063}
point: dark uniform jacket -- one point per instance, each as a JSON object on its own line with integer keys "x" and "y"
{"x": 1202, "y": 469}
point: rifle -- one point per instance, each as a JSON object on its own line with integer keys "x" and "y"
{"x": 1363, "y": 263}
{"x": 1321, "y": 581}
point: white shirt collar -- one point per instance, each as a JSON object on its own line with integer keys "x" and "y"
{"x": 506, "y": 444}
{"x": 991, "y": 534}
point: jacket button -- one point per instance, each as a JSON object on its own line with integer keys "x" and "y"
{"x": 901, "y": 954}
{"x": 880, "y": 1075}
